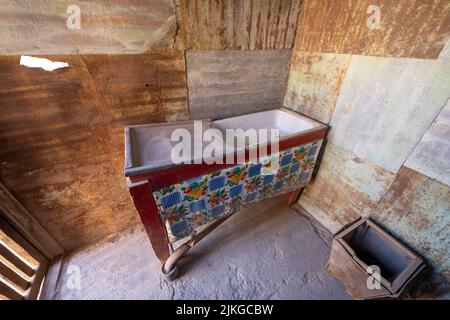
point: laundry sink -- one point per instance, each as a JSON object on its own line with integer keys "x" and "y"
{"x": 287, "y": 122}
{"x": 148, "y": 147}
{"x": 180, "y": 200}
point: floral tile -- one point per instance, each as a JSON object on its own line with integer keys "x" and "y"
{"x": 187, "y": 205}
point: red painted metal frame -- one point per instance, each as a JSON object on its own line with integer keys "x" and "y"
{"x": 146, "y": 205}
{"x": 148, "y": 211}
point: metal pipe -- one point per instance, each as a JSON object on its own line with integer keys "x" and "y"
{"x": 169, "y": 266}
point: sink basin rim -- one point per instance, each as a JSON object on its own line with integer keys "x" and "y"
{"x": 132, "y": 168}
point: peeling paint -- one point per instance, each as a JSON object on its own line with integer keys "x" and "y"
{"x": 314, "y": 83}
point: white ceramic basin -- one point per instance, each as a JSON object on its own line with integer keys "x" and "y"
{"x": 148, "y": 147}
{"x": 288, "y": 123}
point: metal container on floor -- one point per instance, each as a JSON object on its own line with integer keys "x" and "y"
{"x": 370, "y": 262}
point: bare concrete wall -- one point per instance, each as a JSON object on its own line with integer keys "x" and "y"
{"x": 388, "y": 115}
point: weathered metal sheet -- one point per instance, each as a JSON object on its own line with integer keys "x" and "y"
{"x": 386, "y": 105}
{"x": 314, "y": 83}
{"x": 409, "y": 28}
{"x": 416, "y": 209}
{"x": 231, "y": 82}
{"x": 61, "y": 136}
{"x": 431, "y": 156}
{"x": 141, "y": 88}
{"x": 345, "y": 188}
{"x": 445, "y": 53}
{"x": 107, "y": 26}
{"x": 228, "y": 24}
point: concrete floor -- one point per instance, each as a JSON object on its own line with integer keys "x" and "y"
{"x": 267, "y": 251}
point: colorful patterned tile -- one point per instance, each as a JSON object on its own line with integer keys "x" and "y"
{"x": 192, "y": 203}
{"x": 194, "y": 189}
{"x": 217, "y": 197}
{"x": 300, "y": 152}
{"x": 236, "y": 175}
{"x": 270, "y": 164}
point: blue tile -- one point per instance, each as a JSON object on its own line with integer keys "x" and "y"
{"x": 217, "y": 211}
{"x": 304, "y": 176}
{"x": 295, "y": 168}
{"x": 235, "y": 191}
{"x": 268, "y": 179}
{"x": 286, "y": 159}
{"x": 255, "y": 170}
{"x": 278, "y": 185}
{"x": 178, "y": 229}
{"x": 312, "y": 151}
{"x": 251, "y": 196}
{"x": 216, "y": 183}
{"x": 171, "y": 199}
{"x": 196, "y": 179}
{"x": 197, "y": 206}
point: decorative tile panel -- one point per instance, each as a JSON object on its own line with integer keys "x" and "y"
{"x": 195, "y": 202}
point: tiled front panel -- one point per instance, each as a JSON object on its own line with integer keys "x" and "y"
{"x": 197, "y": 201}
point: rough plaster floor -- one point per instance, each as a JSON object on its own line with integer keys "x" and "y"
{"x": 268, "y": 251}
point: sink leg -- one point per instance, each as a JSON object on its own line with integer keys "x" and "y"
{"x": 294, "y": 196}
{"x": 169, "y": 270}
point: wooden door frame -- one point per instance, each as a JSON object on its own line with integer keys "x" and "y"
{"x": 18, "y": 217}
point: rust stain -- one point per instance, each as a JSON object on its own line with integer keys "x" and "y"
{"x": 416, "y": 209}
{"x": 314, "y": 83}
{"x": 61, "y": 138}
{"x": 410, "y": 28}
{"x": 248, "y": 25}
{"x": 344, "y": 189}
{"x": 107, "y": 27}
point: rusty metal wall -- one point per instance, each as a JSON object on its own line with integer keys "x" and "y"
{"x": 61, "y": 132}
{"x": 315, "y": 82}
{"x": 409, "y": 28}
{"x": 391, "y": 114}
{"x": 224, "y": 83}
{"x": 140, "y": 26}
{"x": 61, "y": 136}
{"x": 229, "y": 24}
{"x": 385, "y": 106}
{"x": 387, "y": 115}
{"x": 417, "y": 209}
{"x": 107, "y": 27}
{"x": 345, "y": 188}
{"x": 431, "y": 156}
